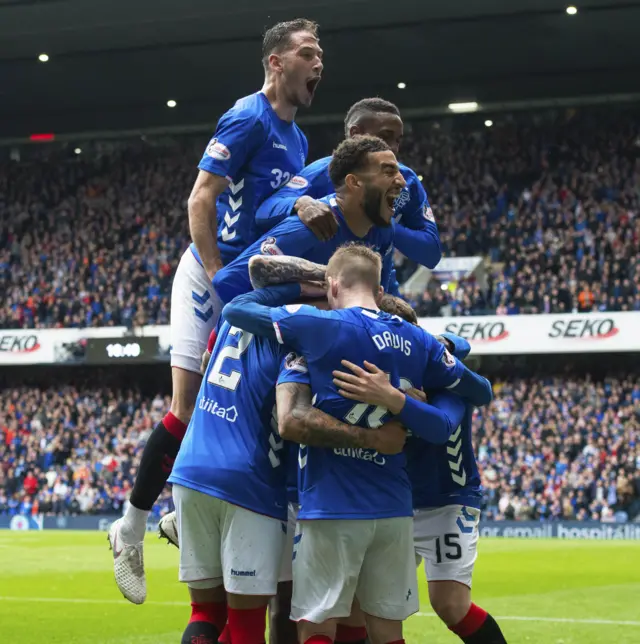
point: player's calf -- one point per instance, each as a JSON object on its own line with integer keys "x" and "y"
{"x": 478, "y": 627}
{"x": 353, "y": 629}
{"x": 208, "y": 614}
{"x": 281, "y": 629}
{"x": 247, "y": 615}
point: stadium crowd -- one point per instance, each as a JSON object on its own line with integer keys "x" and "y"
{"x": 551, "y": 202}
{"x": 552, "y": 448}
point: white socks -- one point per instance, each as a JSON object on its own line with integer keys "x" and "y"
{"x": 134, "y": 525}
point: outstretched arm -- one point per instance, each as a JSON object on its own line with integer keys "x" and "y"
{"x": 268, "y": 270}
{"x": 371, "y": 385}
{"x": 252, "y": 311}
{"x": 299, "y": 421}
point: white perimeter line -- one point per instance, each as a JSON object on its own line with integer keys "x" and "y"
{"x": 566, "y": 620}
{"x": 122, "y": 602}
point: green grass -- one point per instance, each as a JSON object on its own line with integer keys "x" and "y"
{"x": 57, "y": 587}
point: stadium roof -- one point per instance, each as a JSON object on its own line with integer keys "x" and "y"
{"x": 113, "y": 64}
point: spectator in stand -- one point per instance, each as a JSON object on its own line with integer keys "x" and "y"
{"x": 551, "y": 200}
{"x": 550, "y": 448}
{"x": 68, "y": 451}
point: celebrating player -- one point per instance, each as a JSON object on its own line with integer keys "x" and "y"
{"x": 229, "y": 480}
{"x": 416, "y": 230}
{"x": 446, "y": 494}
{"x": 256, "y": 148}
{"x": 368, "y": 182}
{"x": 363, "y": 499}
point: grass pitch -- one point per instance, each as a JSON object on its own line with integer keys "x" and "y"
{"x": 58, "y": 587}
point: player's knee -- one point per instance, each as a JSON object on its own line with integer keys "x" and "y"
{"x": 451, "y": 608}
{"x": 203, "y": 592}
{"x": 185, "y": 391}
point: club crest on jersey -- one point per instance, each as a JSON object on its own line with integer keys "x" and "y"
{"x": 293, "y": 308}
{"x": 428, "y": 213}
{"x": 448, "y": 359}
{"x": 217, "y": 150}
{"x": 269, "y": 247}
{"x": 402, "y": 200}
{"x": 297, "y": 183}
{"x": 295, "y": 362}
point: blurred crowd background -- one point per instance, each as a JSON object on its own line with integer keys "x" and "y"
{"x": 550, "y": 201}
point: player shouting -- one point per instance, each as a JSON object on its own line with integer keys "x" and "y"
{"x": 416, "y": 231}
{"x": 256, "y": 148}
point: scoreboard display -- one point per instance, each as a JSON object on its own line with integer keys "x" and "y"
{"x": 125, "y": 350}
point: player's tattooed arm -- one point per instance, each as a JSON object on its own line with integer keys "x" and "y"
{"x": 299, "y": 421}
{"x": 269, "y": 270}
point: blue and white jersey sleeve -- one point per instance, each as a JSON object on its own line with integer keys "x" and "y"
{"x": 294, "y": 369}
{"x": 304, "y": 327}
{"x": 443, "y": 371}
{"x": 291, "y": 237}
{"x": 313, "y": 181}
{"x": 416, "y": 234}
{"x": 240, "y": 132}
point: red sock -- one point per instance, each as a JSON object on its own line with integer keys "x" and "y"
{"x": 471, "y": 622}
{"x": 247, "y": 626}
{"x": 213, "y": 612}
{"x": 225, "y": 638}
{"x": 350, "y": 633}
{"x": 174, "y": 426}
{"x": 319, "y": 639}
{"x": 212, "y": 341}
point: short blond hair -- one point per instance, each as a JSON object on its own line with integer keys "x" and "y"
{"x": 355, "y": 264}
{"x": 397, "y": 306}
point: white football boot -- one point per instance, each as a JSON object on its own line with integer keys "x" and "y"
{"x": 128, "y": 565}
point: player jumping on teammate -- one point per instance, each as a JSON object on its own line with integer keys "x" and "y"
{"x": 256, "y": 148}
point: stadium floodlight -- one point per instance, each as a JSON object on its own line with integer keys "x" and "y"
{"x": 470, "y": 106}
{"x": 571, "y": 10}
{"x": 78, "y": 150}
{"x": 488, "y": 123}
{"x": 171, "y": 103}
{"x": 402, "y": 85}
{"x": 43, "y": 58}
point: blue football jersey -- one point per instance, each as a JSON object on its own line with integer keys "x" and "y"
{"x": 232, "y": 449}
{"x": 292, "y": 237}
{"x": 445, "y": 474}
{"x": 358, "y": 483}
{"x": 412, "y": 209}
{"x": 257, "y": 152}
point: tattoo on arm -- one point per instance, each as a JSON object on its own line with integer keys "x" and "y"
{"x": 281, "y": 269}
{"x": 301, "y": 422}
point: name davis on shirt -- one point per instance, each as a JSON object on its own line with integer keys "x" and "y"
{"x": 392, "y": 341}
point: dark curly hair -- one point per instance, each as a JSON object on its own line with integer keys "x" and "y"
{"x": 352, "y": 155}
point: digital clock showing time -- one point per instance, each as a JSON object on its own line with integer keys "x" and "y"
{"x": 121, "y": 350}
